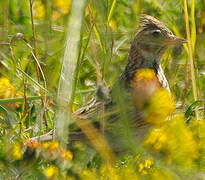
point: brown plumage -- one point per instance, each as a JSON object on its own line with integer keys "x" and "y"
{"x": 151, "y": 41}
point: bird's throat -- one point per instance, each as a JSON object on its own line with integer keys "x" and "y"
{"x": 141, "y": 57}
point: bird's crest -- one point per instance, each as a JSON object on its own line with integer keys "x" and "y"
{"x": 149, "y": 22}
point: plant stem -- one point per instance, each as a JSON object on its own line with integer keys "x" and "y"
{"x": 111, "y": 11}
{"x": 20, "y": 99}
{"x": 186, "y": 16}
{"x": 43, "y": 96}
{"x": 69, "y": 64}
{"x": 34, "y": 32}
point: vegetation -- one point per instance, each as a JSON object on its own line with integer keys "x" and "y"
{"x": 54, "y": 54}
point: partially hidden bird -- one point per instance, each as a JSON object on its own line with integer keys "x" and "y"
{"x": 151, "y": 41}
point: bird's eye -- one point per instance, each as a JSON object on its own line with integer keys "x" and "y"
{"x": 156, "y": 33}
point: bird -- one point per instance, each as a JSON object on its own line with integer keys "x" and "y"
{"x": 141, "y": 78}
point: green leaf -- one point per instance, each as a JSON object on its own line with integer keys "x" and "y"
{"x": 31, "y": 79}
{"x": 190, "y": 109}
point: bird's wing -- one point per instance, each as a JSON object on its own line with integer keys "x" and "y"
{"x": 93, "y": 107}
{"x": 162, "y": 79}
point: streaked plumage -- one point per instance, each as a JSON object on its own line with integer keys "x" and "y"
{"x": 151, "y": 41}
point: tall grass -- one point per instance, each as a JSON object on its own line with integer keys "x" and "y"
{"x": 111, "y": 11}
{"x": 39, "y": 71}
{"x": 69, "y": 63}
{"x": 191, "y": 46}
{"x": 98, "y": 37}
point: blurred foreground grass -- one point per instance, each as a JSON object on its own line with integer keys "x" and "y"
{"x": 173, "y": 149}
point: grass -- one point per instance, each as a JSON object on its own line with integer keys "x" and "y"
{"x": 54, "y": 55}
{"x": 69, "y": 66}
{"x": 191, "y": 45}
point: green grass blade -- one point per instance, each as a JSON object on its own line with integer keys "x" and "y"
{"x": 193, "y": 25}
{"x": 31, "y": 79}
{"x": 99, "y": 38}
{"x": 193, "y": 77}
{"x": 20, "y": 99}
{"x": 111, "y": 11}
{"x": 71, "y": 54}
{"x": 80, "y": 59}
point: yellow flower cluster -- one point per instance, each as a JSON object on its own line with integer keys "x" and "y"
{"x": 113, "y": 24}
{"x": 157, "y": 138}
{"x": 110, "y": 172}
{"x": 64, "y": 5}
{"x": 61, "y": 7}
{"x": 54, "y": 147}
{"x": 51, "y": 171}
{"x": 161, "y": 105}
{"x": 67, "y": 155}
{"x": 17, "y": 154}
{"x": 175, "y": 140}
{"x": 39, "y": 9}
{"x": 144, "y": 167}
{"x": 7, "y": 90}
{"x": 162, "y": 174}
{"x": 88, "y": 174}
{"x": 51, "y": 145}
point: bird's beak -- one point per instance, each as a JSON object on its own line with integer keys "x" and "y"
{"x": 174, "y": 40}
{"x": 179, "y": 40}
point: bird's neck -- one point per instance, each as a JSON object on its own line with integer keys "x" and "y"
{"x": 142, "y": 56}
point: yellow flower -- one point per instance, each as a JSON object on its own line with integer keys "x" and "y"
{"x": 54, "y": 145}
{"x": 174, "y": 140}
{"x": 156, "y": 138}
{"x": 143, "y": 167}
{"x": 128, "y": 172}
{"x": 148, "y": 163}
{"x": 162, "y": 104}
{"x": 64, "y": 5}
{"x": 7, "y": 90}
{"x": 146, "y": 74}
{"x": 51, "y": 171}
{"x": 17, "y": 154}
{"x": 109, "y": 172}
{"x": 67, "y": 155}
{"x": 112, "y": 24}
{"x": 161, "y": 174}
{"x": 46, "y": 145}
{"x": 51, "y": 145}
{"x": 88, "y": 174}
{"x": 38, "y": 9}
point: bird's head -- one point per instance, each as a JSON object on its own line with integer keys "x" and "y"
{"x": 154, "y": 37}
